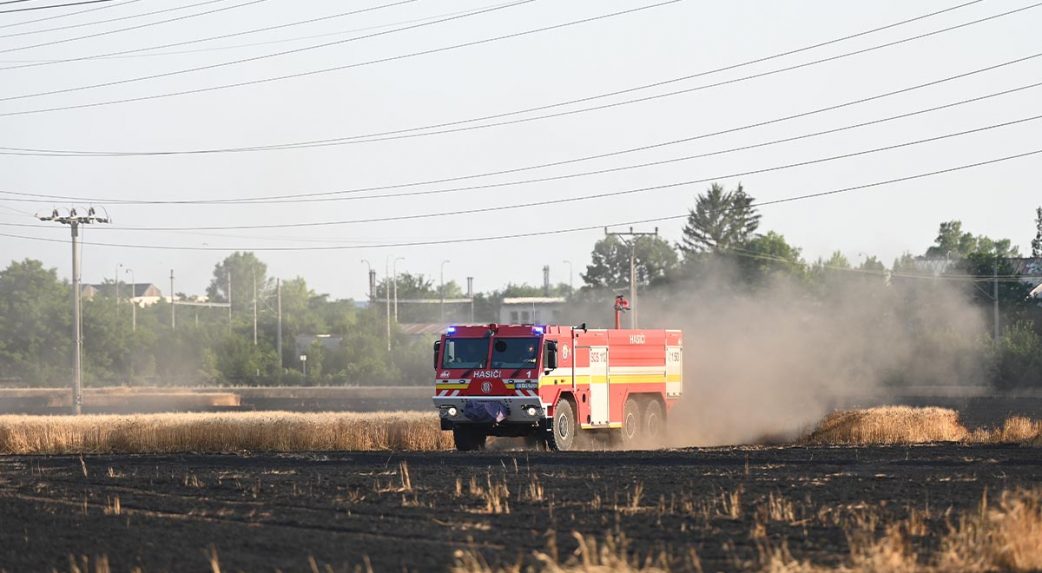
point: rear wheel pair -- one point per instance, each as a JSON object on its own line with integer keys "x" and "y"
{"x": 642, "y": 422}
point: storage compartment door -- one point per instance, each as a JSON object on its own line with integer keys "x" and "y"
{"x": 674, "y": 371}
{"x": 599, "y": 385}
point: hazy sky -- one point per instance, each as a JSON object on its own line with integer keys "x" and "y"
{"x": 578, "y": 61}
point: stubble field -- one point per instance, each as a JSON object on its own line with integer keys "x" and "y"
{"x": 753, "y": 508}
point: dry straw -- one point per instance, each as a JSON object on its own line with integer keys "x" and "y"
{"x": 215, "y": 433}
{"x": 889, "y": 425}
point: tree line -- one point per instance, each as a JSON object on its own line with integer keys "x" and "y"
{"x": 722, "y": 246}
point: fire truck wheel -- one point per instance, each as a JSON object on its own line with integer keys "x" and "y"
{"x": 631, "y": 427}
{"x": 468, "y": 438}
{"x": 654, "y": 422}
{"x": 562, "y": 438}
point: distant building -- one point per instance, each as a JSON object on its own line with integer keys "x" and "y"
{"x": 142, "y": 294}
{"x": 531, "y": 310}
{"x": 422, "y": 329}
{"x": 304, "y": 342}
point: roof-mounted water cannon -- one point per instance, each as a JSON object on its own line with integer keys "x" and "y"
{"x": 621, "y": 305}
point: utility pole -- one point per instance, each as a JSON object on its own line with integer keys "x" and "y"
{"x": 173, "y": 303}
{"x": 632, "y": 244}
{"x": 470, "y": 295}
{"x": 995, "y": 296}
{"x": 74, "y": 220}
{"x": 546, "y": 280}
{"x": 133, "y": 303}
{"x": 255, "y": 307}
{"x": 387, "y": 300}
{"x": 278, "y": 327}
{"x": 394, "y": 273}
{"x": 441, "y": 290}
{"x": 229, "y": 300}
{"x": 115, "y": 285}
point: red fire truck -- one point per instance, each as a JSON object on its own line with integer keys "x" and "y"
{"x": 556, "y": 385}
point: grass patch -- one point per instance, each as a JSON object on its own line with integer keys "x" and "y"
{"x": 218, "y": 433}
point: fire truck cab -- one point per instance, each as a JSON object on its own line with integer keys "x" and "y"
{"x": 555, "y": 385}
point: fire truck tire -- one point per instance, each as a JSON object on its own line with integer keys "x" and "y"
{"x": 654, "y": 422}
{"x": 468, "y": 438}
{"x": 632, "y": 430}
{"x": 562, "y": 438}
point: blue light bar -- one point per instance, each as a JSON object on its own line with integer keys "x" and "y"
{"x": 537, "y": 330}
{"x": 450, "y": 330}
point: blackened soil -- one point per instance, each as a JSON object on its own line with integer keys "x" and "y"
{"x": 266, "y": 512}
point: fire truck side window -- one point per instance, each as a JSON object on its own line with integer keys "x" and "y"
{"x": 515, "y": 352}
{"x": 465, "y": 353}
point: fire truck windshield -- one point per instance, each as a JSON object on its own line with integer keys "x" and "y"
{"x": 465, "y": 353}
{"x": 515, "y": 352}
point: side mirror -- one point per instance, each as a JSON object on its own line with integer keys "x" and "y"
{"x": 437, "y": 350}
{"x": 550, "y": 362}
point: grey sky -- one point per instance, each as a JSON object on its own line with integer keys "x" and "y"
{"x": 573, "y": 62}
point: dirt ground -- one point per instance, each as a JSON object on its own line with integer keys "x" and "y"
{"x": 412, "y": 511}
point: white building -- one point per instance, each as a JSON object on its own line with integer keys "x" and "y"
{"x": 531, "y": 310}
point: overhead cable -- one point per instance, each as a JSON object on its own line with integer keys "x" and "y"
{"x": 135, "y": 27}
{"x": 578, "y": 198}
{"x": 209, "y": 38}
{"x": 527, "y": 234}
{"x": 492, "y": 39}
{"x": 51, "y": 6}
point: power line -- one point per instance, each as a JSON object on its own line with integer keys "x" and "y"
{"x": 543, "y": 203}
{"x": 64, "y": 15}
{"x": 526, "y": 110}
{"x": 136, "y": 27}
{"x": 543, "y": 165}
{"x": 210, "y": 38}
{"x": 96, "y": 22}
{"x": 514, "y": 35}
{"x": 35, "y": 197}
{"x": 250, "y": 44}
{"x": 48, "y": 7}
{"x": 307, "y": 48}
{"x": 528, "y": 234}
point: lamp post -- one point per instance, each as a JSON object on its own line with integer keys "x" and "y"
{"x": 133, "y": 303}
{"x": 441, "y": 289}
{"x": 394, "y": 273}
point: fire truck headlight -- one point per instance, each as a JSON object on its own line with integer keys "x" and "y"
{"x": 452, "y": 411}
{"x": 531, "y": 411}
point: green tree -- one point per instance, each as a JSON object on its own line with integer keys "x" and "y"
{"x": 35, "y": 324}
{"x": 768, "y": 255}
{"x": 720, "y": 220}
{"x": 242, "y": 268}
{"x": 610, "y": 262}
{"x": 872, "y": 264}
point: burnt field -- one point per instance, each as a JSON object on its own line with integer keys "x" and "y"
{"x": 717, "y": 508}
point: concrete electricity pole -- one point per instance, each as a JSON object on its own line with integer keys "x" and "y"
{"x": 571, "y": 284}
{"x": 229, "y": 300}
{"x": 278, "y": 327}
{"x": 394, "y": 273}
{"x": 133, "y": 303}
{"x": 255, "y": 307}
{"x": 632, "y": 244}
{"x": 173, "y": 303}
{"x": 74, "y": 220}
{"x": 441, "y": 289}
{"x": 387, "y": 299}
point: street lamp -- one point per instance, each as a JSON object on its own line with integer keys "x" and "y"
{"x": 571, "y": 285}
{"x": 133, "y": 303}
{"x": 442, "y": 289}
{"x": 369, "y": 276}
{"x": 394, "y": 273}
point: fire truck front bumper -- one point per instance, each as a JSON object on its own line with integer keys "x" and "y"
{"x": 489, "y": 410}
